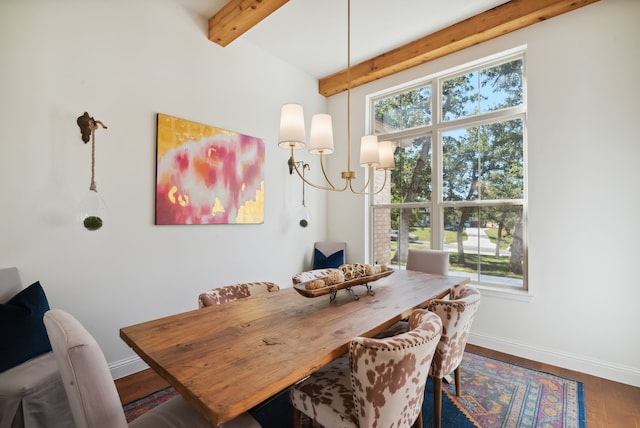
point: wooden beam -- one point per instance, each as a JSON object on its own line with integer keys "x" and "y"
{"x": 485, "y": 26}
{"x": 237, "y": 17}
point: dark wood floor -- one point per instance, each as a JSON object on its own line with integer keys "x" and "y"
{"x": 609, "y": 404}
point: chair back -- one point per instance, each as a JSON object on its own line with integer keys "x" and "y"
{"x": 85, "y": 373}
{"x": 10, "y": 284}
{"x": 428, "y": 261}
{"x": 457, "y": 317}
{"x": 389, "y": 375}
{"x": 229, "y": 293}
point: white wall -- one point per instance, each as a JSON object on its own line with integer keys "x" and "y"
{"x": 123, "y": 62}
{"x": 584, "y": 212}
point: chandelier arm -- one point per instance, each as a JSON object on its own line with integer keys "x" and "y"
{"x": 325, "y": 172}
{"x": 302, "y": 177}
{"x": 327, "y": 178}
{"x": 384, "y": 183}
{"x": 363, "y": 190}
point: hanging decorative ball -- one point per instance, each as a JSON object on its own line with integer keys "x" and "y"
{"x": 92, "y": 222}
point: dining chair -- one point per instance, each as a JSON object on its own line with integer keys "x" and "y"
{"x": 229, "y": 293}
{"x": 428, "y": 261}
{"x": 456, "y": 314}
{"x": 92, "y": 393}
{"x": 379, "y": 383}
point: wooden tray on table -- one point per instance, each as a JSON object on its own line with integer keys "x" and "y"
{"x": 333, "y": 289}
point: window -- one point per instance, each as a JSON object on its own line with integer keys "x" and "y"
{"x": 459, "y": 181}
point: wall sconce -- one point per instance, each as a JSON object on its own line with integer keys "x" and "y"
{"x": 92, "y": 208}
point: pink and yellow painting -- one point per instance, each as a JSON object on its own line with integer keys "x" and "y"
{"x": 207, "y": 175}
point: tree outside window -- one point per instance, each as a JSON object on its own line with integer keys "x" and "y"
{"x": 459, "y": 182}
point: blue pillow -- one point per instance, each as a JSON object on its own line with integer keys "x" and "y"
{"x": 23, "y": 335}
{"x": 320, "y": 261}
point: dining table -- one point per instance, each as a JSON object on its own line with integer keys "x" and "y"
{"x": 225, "y": 359}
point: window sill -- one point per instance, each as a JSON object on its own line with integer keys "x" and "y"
{"x": 504, "y": 293}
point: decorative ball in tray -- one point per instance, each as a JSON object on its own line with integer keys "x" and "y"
{"x": 321, "y": 282}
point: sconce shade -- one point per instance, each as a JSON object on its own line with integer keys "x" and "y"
{"x": 292, "y": 132}
{"x": 321, "y": 137}
{"x": 386, "y": 155}
{"x": 369, "y": 155}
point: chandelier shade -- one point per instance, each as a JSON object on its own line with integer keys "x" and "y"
{"x": 321, "y": 136}
{"x": 369, "y": 154}
{"x": 292, "y": 132}
{"x": 387, "y": 150}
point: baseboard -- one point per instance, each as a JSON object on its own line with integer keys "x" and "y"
{"x": 127, "y": 366}
{"x": 579, "y": 363}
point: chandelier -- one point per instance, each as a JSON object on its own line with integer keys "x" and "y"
{"x": 292, "y": 136}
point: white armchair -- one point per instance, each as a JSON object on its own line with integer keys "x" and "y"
{"x": 31, "y": 393}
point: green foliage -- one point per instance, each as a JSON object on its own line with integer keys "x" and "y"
{"x": 505, "y": 240}
{"x": 424, "y": 238}
{"x": 406, "y": 110}
{"x": 489, "y": 265}
{"x": 92, "y": 222}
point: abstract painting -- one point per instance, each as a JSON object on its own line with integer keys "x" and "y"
{"x": 207, "y": 175}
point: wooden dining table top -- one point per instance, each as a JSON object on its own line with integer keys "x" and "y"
{"x": 226, "y": 359}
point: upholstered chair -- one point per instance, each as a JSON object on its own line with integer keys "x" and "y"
{"x": 457, "y": 315}
{"x": 31, "y": 392}
{"x": 229, "y": 293}
{"x": 428, "y": 261}
{"x": 92, "y": 393}
{"x": 379, "y": 383}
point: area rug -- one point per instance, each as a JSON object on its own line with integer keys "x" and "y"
{"x": 494, "y": 394}
{"x": 142, "y": 405}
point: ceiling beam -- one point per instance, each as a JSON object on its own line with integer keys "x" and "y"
{"x": 237, "y": 17}
{"x": 496, "y": 22}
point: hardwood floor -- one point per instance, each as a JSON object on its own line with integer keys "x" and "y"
{"x": 138, "y": 385}
{"x": 609, "y": 404}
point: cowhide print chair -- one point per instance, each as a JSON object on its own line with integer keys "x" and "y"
{"x": 92, "y": 393}
{"x": 457, "y": 315}
{"x": 229, "y": 293}
{"x": 379, "y": 383}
